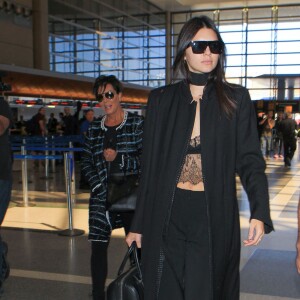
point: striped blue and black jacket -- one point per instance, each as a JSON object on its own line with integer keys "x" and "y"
{"x": 94, "y": 167}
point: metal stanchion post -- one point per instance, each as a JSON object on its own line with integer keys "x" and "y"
{"x": 73, "y": 169}
{"x": 24, "y": 145}
{"x": 46, "y": 161}
{"x": 71, "y": 231}
{"x": 66, "y": 167}
{"x": 24, "y": 180}
{"x": 53, "y": 153}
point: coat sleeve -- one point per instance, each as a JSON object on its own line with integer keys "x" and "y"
{"x": 250, "y": 164}
{"x": 87, "y": 165}
{"x": 138, "y": 133}
{"x": 146, "y": 161}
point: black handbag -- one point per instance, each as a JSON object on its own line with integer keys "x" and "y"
{"x": 122, "y": 189}
{"x": 122, "y": 193}
{"x": 128, "y": 285}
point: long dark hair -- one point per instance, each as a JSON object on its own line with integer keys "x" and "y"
{"x": 180, "y": 67}
{"x": 104, "y": 80}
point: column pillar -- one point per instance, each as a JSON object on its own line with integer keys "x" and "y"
{"x": 40, "y": 34}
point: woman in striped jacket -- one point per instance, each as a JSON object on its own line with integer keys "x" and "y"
{"x": 112, "y": 148}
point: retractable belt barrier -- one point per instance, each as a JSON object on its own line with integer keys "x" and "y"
{"x": 63, "y": 145}
{"x": 37, "y": 156}
{"x": 48, "y": 144}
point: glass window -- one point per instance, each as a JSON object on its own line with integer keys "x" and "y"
{"x": 132, "y": 45}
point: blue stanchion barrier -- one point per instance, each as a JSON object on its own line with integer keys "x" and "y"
{"x": 29, "y": 148}
{"x": 50, "y": 139}
{"x": 37, "y": 157}
{"x": 38, "y": 143}
{"x": 16, "y": 148}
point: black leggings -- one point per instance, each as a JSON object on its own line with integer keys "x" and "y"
{"x": 99, "y": 259}
{"x": 186, "y": 272}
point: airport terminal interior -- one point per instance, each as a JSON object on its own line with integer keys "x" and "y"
{"x": 51, "y": 51}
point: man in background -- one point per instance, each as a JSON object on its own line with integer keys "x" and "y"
{"x": 5, "y": 180}
{"x": 52, "y": 125}
{"x": 89, "y": 117}
{"x": 69, "y": 122}
{"x": 278, "y": 147}
{"x": 288, "y": 127}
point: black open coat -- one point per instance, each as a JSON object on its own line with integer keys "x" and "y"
{"x": 229, "y": 146}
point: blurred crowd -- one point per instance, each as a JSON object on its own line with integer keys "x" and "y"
{"x": 278, "y": 135}
{"x": 65, "y": 123}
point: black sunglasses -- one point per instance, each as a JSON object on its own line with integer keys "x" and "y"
{"x": 198, "y": 47}
{"x": 108, "y": 95}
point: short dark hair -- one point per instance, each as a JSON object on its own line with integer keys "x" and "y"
{"x": 104, "y": 80}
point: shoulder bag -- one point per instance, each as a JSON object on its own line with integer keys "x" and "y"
{"x": 128, "y": 285}
{"x": 122, "y": 189}
{"x": 122, "y": 193}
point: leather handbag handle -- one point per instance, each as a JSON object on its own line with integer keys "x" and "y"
{"x": 131, "y": 249}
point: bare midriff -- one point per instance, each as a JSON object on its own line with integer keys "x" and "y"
{"x": 191, "y": 174}
{"x": 191, "y": 187}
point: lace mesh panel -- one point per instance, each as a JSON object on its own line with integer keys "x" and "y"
{"x": 192, "y": 167}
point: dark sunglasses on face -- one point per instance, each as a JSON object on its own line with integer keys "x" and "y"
{"x": 198, "y": 47}
{"x": 108, "y": 95}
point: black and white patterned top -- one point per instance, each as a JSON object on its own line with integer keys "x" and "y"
{"x": 94, "y": 167}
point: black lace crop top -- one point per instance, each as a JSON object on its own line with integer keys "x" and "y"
{"x": 194, "y": 146}
{"x": 192, "y": 167}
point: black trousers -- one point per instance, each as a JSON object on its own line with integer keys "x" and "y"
{"x": 289, "y": 146}
{"x": 186, "y": 269}
{"x": 99, "y": 259}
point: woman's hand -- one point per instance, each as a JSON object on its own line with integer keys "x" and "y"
{"x": 131, "y": 237}
{"x": 109, "y": 154}
{"x": 255, "y": 234}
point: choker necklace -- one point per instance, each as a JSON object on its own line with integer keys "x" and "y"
{"x": 198, "y": 78}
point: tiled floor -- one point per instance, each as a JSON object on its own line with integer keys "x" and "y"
{"x": 46, "y": 265}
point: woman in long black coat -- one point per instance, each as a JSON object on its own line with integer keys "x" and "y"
{"x": 199, "y": 132}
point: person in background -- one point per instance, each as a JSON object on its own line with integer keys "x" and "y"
{"x": 278, "y": 145}
{"x": 89, "y": 117}
{"x": 69, "y": 122}
{"x": 38, "y": 123}
{"x": 111, "y": 149}
{"x": 38, "y": 129}
{"x": 268, "y": 124}
{"x": 288, "y": 128}
{"x": 61, "y": 125}
{"x": 260, "y": 117}
{"x": 76, "y": 117}
{"x": 21, "y": 125}
{"x": 5, "y": 180}
{"x": 52, "y": 125}
{"x": 198, "y": 133}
